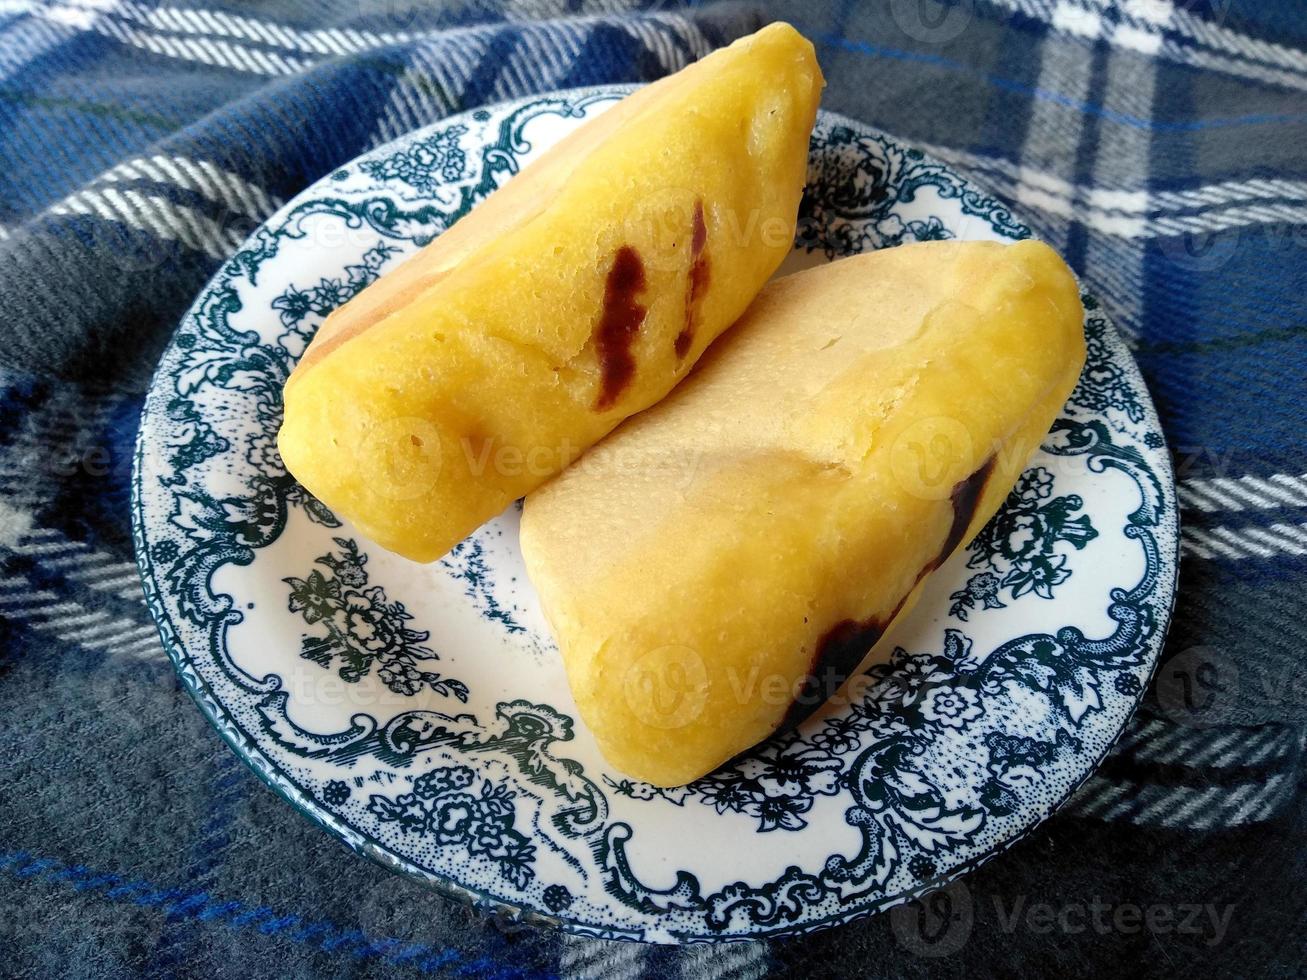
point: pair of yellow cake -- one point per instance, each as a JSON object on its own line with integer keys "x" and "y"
{"x": 715, "y": 568}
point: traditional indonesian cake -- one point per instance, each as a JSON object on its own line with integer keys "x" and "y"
{"x": 723, "y": 562}
{"x": 575, "y": 296}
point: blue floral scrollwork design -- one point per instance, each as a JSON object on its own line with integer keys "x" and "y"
{"x": 357, "y": 626}
{"x": 444, "y": 806}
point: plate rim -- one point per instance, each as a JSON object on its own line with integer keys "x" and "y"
{"x": 501, "y": 910}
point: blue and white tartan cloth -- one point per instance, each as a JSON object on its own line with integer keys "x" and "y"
{"x": 1160, "y": 145}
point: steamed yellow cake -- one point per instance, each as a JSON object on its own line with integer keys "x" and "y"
{"x": 576, "y": 295}
{"x": 723, "y": 562}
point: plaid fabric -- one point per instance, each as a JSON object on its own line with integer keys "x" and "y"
{"x": 1161, "y": 146}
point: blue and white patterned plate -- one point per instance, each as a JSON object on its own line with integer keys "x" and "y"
{"x": 421, "y": 713}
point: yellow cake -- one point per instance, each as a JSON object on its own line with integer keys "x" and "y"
{"x": 716, "y": 568}
{"x": 575, "y": 296}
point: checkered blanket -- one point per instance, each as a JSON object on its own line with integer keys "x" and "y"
{"x": 1161, "y": 146}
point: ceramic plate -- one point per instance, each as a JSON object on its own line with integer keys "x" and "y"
{"x": 421, "y": 713}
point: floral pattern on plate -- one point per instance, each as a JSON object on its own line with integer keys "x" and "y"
{"x": 420, "y": 713}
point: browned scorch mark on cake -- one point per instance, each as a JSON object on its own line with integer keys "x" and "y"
{"x": 843, "y": 647}
{"x": 696, "y": 283}
{"x": 839, "y": 652}
{"x": 965, "y": 499}
{"x": 619, "y": 323}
